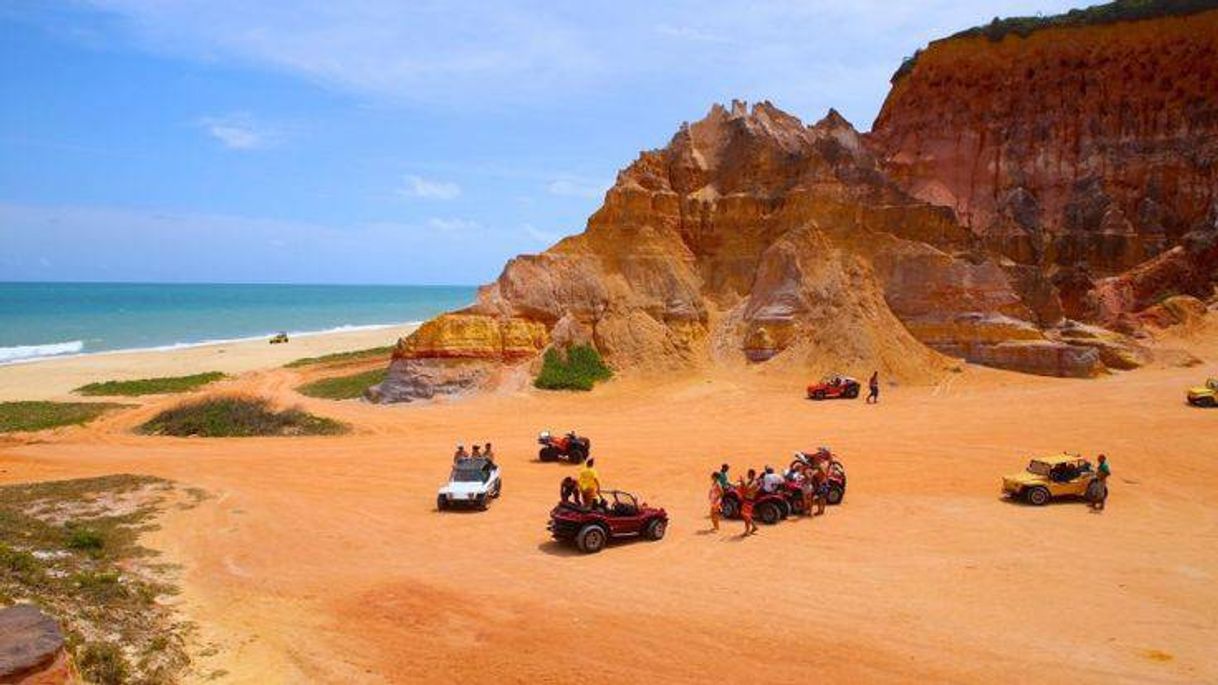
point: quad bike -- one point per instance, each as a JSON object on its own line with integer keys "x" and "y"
{"x": 768, "y": 508}
{"x": 570, "y": 447}
{"x": 837, "y": 472}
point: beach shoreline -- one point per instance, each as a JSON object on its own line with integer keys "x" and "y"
{"x": 54, "y": 378}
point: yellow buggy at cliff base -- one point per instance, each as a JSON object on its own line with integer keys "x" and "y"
{"x": 1204, "y": 396}
{"x": 1047, "y": 478}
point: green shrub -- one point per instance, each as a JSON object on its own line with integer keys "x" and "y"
{"x": 224, "y": 417}
{"x": 353, "y": 356}
{"x": 579, "y": 369}
{"x": 343, "y": 387}
{"x": 85, "y": 540}
{"x": 36, "y": 416}
{"x": 104, "y": 664}
{"x": 151, "y": 386}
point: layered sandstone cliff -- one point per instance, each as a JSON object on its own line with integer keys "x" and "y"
{"x": 1085, "y": 150}
{"x": 1023, "y": 203}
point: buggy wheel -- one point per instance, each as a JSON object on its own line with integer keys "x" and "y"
{"x": 547, "y": 454}
{"x": 655, "y": 529}
{"x": 730, "y": 508}
{"x": 1038, "y": 496}
{"x": 836, "y": 493}
{"x": 441, "y": 503}
{"x": 853, "y": 392}
{"x": 797, "y": 505}
{"x": 784, "y": 508}
{"x": 1208, "y": 402}
{"x": 498, "y": 489}
{"x": 769, "y": 513}
{"x": 818, "y": 395}
{"x": 590, "y": 539}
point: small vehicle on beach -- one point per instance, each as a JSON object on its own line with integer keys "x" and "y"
{"x": 1204, "y": 395}
{"x": 278, "y": 338}
{"x": 1048, "y": 478}
{"x": 618, "y": 514}
{"x": 570, "y": 447}
{"x": 834, "y": 386}
{"x": 474, "y": 482}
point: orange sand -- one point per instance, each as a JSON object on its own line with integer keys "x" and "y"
{"x": 323, "y": 560}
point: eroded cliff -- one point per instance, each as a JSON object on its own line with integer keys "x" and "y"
{"x": 1027, "y": 203}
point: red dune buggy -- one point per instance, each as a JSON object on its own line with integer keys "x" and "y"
{"x": 834, "y": 387}
{"x": 617, "y": 515}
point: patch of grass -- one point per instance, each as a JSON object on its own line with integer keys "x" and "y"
{"x": 71, "y": 547}
{"x": 150, "y": 386}
{"x": 104, "y": 663}
{"x": 343, "y": 387}
{"x": 353, "y": 356}
{"x": 237, "y": 417}
{"x": 85, "y": 540}
{"x": 36, "y": 416}
{"x": 579, "y": 369}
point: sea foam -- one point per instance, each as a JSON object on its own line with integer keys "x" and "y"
{"x": 22, "y": 352}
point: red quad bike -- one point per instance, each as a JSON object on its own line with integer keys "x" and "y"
{"x": 617, "y": 515}
{"x": 837, "y": 474}
{"x": 769, "y": 508}
{"x": 570, "y": 447}
{"x": 834, "y": 387}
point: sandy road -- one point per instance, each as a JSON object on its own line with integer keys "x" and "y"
{"x": 323, "y": 560}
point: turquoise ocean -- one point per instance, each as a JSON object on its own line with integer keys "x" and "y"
{"x": 42, "y": 320}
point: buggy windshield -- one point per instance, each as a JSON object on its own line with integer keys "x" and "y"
{"x": 465, "y": 474}
{"x": 1038, "y": 467}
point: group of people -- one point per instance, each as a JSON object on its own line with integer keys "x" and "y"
{"x": 583, "y": 490}
{"x": 809, "y": 474}
{"x": 478, "y": 452}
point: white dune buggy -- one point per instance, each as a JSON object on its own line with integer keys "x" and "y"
{"x": 474, "y": 482}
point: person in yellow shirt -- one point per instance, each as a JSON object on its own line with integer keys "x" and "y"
{"x": 589, "y": 483}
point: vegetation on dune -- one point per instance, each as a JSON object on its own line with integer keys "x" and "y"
{"x": 36, "y": 416}
{"x": 579, "y": 369}
{"x": 237, "y": 417}
{"x": 71, "y": 547}
{"x": 343, "y": 387}
{"x": 337, "y": 357}
{"x": 151, "y": 386}
{"x": 1107, "y": 13}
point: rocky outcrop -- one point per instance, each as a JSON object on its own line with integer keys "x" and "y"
{"x": 1020, "y": 203}
{"x": 32, "y": 648}
{"x": 1085, "y": 150}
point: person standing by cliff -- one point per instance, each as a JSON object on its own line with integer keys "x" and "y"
{"x": 873, "y": 388}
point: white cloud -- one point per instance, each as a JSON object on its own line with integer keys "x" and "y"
{"x": 449, "y": 225}
{"x": 158, "y": 245}
{"x": 544, "y": 237}
{"x": 576, "y": 187}
{"x": 417, "y": 186}
{"x": 691, "y": 33}
{"x": 239, "y": 131}
{"x": 495, "y": 55}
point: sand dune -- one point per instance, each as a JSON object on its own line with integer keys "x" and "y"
{"x": 323, "y": 560}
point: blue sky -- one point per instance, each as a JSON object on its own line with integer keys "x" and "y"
{"x": 385, "y": 141}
